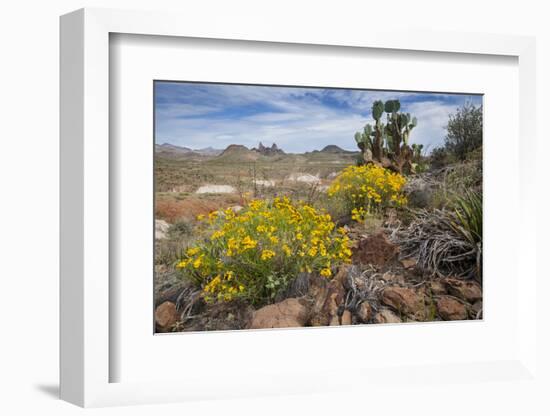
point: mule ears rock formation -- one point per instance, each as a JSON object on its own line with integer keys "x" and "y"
{"x": 269, "y": 151}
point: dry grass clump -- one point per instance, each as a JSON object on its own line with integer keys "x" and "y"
{"x": 446, "y": 242}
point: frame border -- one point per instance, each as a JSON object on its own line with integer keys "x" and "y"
{"x": 84, "y": 182}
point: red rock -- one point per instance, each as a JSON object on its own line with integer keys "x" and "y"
{"x": 166, "y": 316}
{"x": 364, "y": 312}
{"x": 467, "y": 290}
{"x": 346, "y": 318}
{"x": 404, "y": 300}
{"x": 409, "y": 263}
{"x": 451, "y": 309}
{"x": 437, "y": 288}
{"x": 327, "y": 297}
{"x": 377, "y": 250}
{"x": 385, "y": 316}
{"x": 286, "y": 314}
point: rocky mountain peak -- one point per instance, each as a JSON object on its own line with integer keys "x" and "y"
{"x": 269, "y": 151}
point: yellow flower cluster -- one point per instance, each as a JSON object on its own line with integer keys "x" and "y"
{"x": 224, "y": 287}
{"x": 257, "y": 252}
{"x": 368, "y": 188}
{"x": 358, "y": 214}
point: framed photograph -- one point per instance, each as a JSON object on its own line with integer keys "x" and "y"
{"x": 335, "y": 221}
{"x": 241, "y": 205}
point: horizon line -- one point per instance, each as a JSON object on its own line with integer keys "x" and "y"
{"x": 252, "y": 148}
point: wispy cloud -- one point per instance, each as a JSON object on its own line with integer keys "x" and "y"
{"x": 297, "y": 119}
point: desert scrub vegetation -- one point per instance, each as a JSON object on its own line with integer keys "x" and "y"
{"x": 179, "y": 236}
{"x": 368, "y": 189}
{"x": 464, "y": 137}
{"x": 468, "y": 217}
{"x": 256, "y": 253}
{"x": 173, "y": 209}
{"x": 464, "y": 131}
{"x": 448, "y": 241}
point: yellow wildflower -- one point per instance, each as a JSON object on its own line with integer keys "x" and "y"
{"x": 326, "y": 272}
{"x": 197, "y": 263}
{"x": 267, "y": 254}
{"x": 248, "y": 243}
{"x": 193, "y": 250}
{"x": 287, "y": 250}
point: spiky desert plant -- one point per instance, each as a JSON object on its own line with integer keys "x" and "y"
{"x": 449, "y": 241}
{"x": 386, "y": 143}
{"x": 378, "y": 131}
{"x": 468, "y": 217}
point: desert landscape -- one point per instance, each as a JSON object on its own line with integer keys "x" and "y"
{"x": 254, "y": 237}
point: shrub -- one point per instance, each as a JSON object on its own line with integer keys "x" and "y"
{"x": 440, "y": 157}
{"x": 463, "y": 177}
{"x": 180, "y": 229}
{"x": 169, "y": 209}
{"x": 464, "y": 131}
{"x": 368, "y": 189}
{"x": 255, "y": 253}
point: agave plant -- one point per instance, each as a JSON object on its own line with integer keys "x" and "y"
{"x": 468, "y": 215}
{"x": 446, "y": 242}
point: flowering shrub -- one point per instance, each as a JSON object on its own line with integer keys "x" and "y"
{"x": 257, "y": 252}
{"x": 367, "y": 189}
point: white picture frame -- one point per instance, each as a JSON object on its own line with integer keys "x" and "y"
{"x": 85, "y": 353}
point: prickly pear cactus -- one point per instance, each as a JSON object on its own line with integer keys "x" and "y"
{"x": 377, "y": 110}
{"x": 387, "y": 143}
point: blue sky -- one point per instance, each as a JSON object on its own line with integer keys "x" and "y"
{"x": 200, "y": 115}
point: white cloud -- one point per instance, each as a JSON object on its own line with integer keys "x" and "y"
{"x": 297, "y": 119}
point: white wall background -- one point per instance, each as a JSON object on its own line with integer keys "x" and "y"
{"x": 29, "y": 205}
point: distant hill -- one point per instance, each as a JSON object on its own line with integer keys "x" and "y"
{"x": 332, "y": 148}
{"x": 209, "y": 151}
{"x": 172, "y": 150}
{"x": 238, "y": 152}
{"x": 329, "y": 152}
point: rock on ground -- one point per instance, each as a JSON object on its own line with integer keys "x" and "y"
{"x": 437, "y": 288}
{"x": 377, "y": 250}
{"x": 161, "y": 228}
{"x": 405, "y": 300}
{"x": 419, "y": 191}
{"x": 166, "y": 316}
{"x": 303, "y": 177}
{"x": 364, "y": 312}
{"x": 220, "y": 316}
{"x": 466, "y": 290}
{"x": 286, "y": 314}
{"x": 264, "y": 183}
{"x": 451, "y": 309}
{"x": 328, "y": 298}
{"x": 477, "y": 310}
{"x": 385, "y": 316}
{"x": 216, "y": 189}
{"x": 409, "y": 263}
{"x": 346, "y": 318}
{"x": 322, "y": 188}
